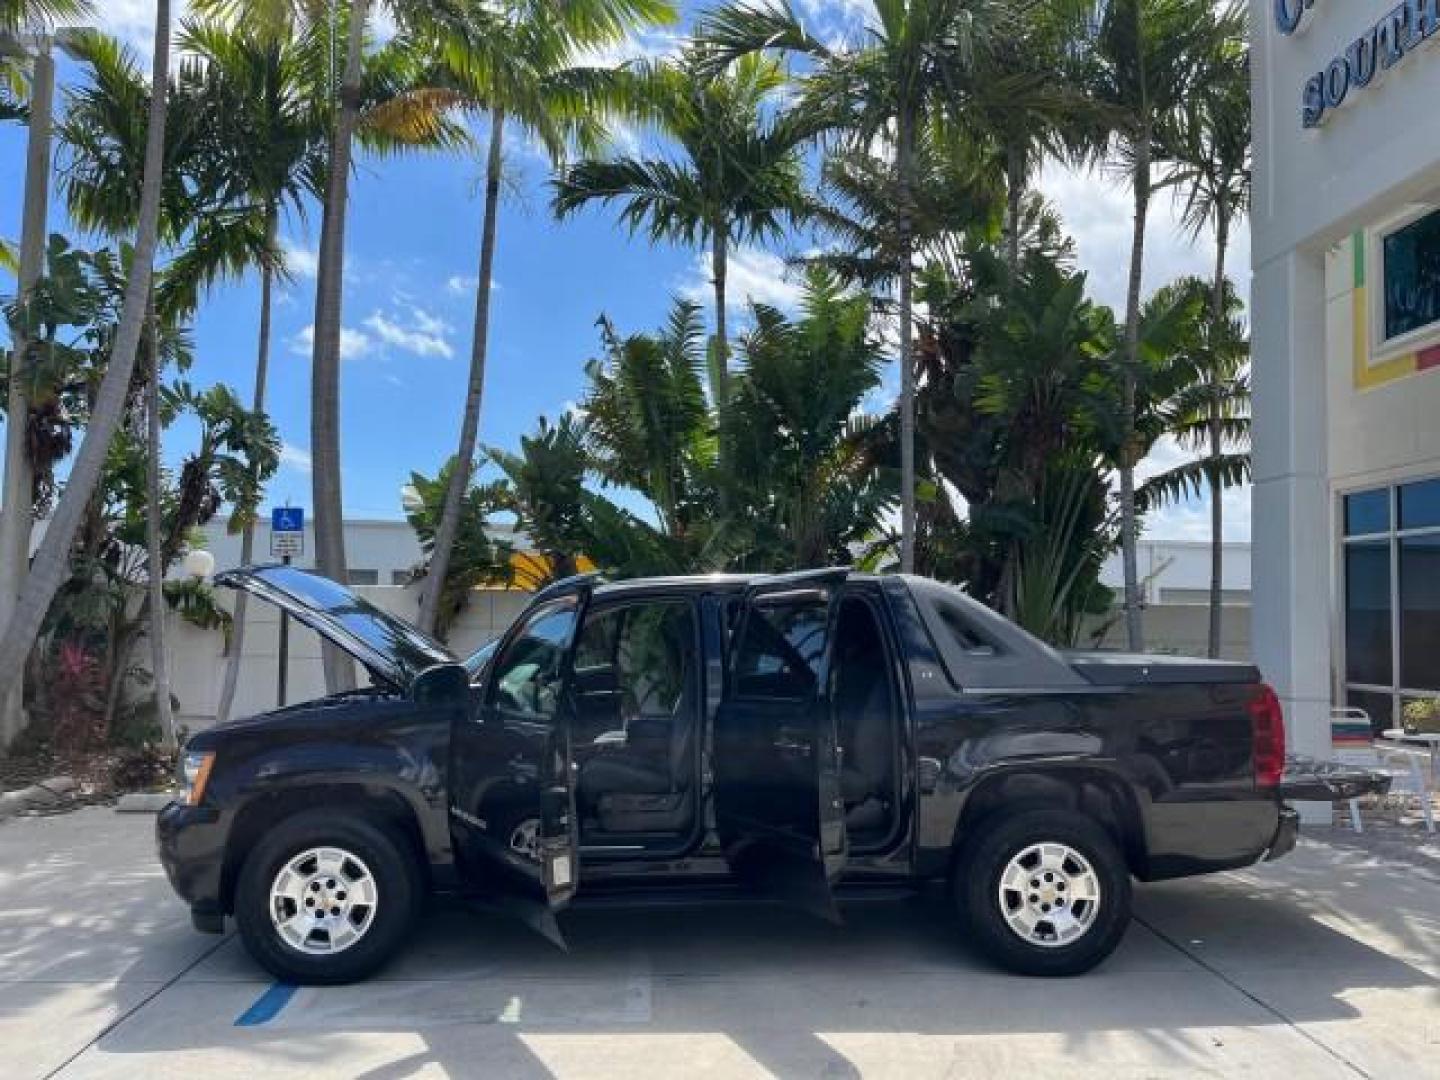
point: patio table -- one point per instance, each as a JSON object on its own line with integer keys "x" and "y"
{"x": 1400, "y": 739}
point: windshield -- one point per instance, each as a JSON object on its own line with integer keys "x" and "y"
{"x": 477, "y": 661}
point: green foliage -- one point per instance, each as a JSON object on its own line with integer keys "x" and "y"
{"x": 195, "y": 602}
{"x": 477, "y": 559}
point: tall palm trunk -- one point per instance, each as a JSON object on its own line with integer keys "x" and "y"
{"x": 720, "y": 357}
{"x": 325, "y": 358}
{"x": 904, "y": 157}
{"x": 52, "y": 559}
{"x": 247, "y": 539}
{"x": 1129, "y": 526}
{"x": 1014, "y": 193}
{"x": 461, "y": 474}
{"x": 1217, "y": 509}
{"x": 17, "y": 511}
{"x": 154, "y": 511}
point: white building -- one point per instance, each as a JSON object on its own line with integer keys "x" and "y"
{"x": 1346, "y": 338}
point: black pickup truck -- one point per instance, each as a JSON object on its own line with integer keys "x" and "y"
{"x": 796, "y": 737}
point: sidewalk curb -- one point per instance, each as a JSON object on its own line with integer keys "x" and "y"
{"x": 143, "y": 802}
{"x": 47, "y": 793}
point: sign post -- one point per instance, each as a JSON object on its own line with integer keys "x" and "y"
{"x": 287, "y": 539}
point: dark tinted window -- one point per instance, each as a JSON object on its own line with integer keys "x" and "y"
{"x": 1420, "y": 505}
{"x": 965, "y": 635}
{"x": 1367, "y": 512}
{"x": 1412, "y": 276}
{"x": 782, "y": 648}
{"x": 529, "y": 671}
{"x": 1367, "y": 612}
{"x": 1420, "y": 612}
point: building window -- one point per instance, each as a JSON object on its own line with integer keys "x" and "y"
{"x": 1412, "y": 276}
{"x": 1391, "y": 589}
{"x": 401, "y": 577}
{"x": 364, "y": 577}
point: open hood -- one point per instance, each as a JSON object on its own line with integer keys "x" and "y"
{"x": 392, "y": 650}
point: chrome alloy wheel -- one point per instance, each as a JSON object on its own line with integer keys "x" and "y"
{"x": 1049, "y": 895}
{"x": 323, "y": 901}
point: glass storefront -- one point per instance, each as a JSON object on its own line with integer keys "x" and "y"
{"x": 1391, "y": 567}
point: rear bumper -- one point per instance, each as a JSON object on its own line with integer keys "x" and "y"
{"x": 191, "y": 845}
{"x": 1287, "y": 832}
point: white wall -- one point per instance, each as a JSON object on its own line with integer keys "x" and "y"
{"x": 197, "y": 660}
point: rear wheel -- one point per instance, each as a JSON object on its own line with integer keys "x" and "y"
{"x": 326, "y": 899}
{"x": 1044, "y": 892}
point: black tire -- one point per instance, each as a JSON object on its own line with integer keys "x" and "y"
{"x": 1002, "y": 837}
{"x": 398, "y": 891}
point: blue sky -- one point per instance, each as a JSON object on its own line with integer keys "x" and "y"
{"x": 411, "y": 259}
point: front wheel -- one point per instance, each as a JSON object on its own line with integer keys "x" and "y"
{"x": 325, "y": 899}
{"x": 1044, "y": 892}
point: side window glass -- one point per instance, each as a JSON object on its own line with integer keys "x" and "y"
{"x": 780, "y": 653}
{"x": 654, "y": 658}
{"x": 528, "y": 673}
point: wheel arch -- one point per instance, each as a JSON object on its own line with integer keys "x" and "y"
{"x": 1093, "y": 791}
{"x": 378, "y": 805}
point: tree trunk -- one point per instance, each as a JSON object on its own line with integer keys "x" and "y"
{"x": 1217, "y": 510}
{"x": 17, "y": 512}
{"x": 719, "y": 274}
{"x": 1129, "y": 525}
{"x": 52, "y": 559}
{"x": 1014, "y": 193}
{"x": 247, "y": 540}
{"x": 904, "y": 158}
{"x": 325, "y": 358}
{"x": 463, "y": 471}
{"x": 156, "y": 562}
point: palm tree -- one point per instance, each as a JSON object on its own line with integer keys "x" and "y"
{"x": 48, "y": 569}
{"x": 1209, "y": 415}
{"x": 283, "y": 18}
{"x": 1147, "y": 59}
{"x": 736, "y": 176}
{"x": 910, "y": 72}
{"x": 1213, "y": 171}
{"x": 518, "y": 61}
{"x": 19, "y": 90}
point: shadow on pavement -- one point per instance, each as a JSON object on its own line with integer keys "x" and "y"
{"x": 716, "y": 988}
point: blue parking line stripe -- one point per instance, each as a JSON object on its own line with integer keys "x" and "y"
{"x": 267, "y": 1006}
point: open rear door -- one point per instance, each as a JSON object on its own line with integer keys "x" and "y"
{"x": 776, "y": 759}
{"x": 512, "y": 789}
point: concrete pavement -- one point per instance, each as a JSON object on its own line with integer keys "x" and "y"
{"x": 1326, "y": 964}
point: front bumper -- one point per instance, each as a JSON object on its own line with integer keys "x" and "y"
{"x": 191, "y": 843}
{"x": 1287, "y": 832}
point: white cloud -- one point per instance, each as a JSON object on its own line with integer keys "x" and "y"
{"x": 424, "y": 337}
{"x": 463, "y": 284}
{"x": 295, "y": 458}
{"x": 301, "y": 261}
{"x": 133, "y": 22}
{"x": 753, "y": 274}
{"x": 653, "y": 43}
{"x": 353, "y": 343}
{"x": 1098, "y": 212}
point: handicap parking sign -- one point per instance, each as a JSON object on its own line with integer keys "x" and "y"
{"x": 287, "y": 531}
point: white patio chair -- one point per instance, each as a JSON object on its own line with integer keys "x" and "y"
{"x": 1352, "y": 741}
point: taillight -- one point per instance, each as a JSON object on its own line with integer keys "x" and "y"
{"x": 1267, "y": 737}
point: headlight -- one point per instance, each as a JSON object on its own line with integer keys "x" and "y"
{"x": 195, "y": 771}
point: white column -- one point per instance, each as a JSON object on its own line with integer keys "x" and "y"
{"x": 1292, "y": 526}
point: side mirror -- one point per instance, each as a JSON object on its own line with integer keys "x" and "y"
{"x": 440, "y": 683}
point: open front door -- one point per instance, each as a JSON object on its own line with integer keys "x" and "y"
{"x": 776, "y": 759}
{"x": 512, "y": 790}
